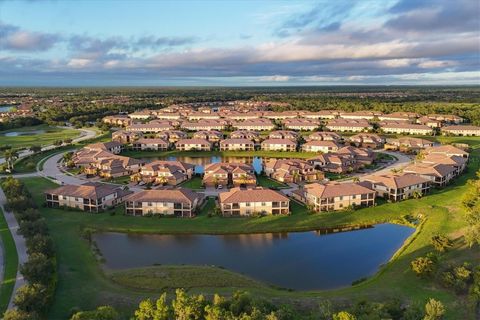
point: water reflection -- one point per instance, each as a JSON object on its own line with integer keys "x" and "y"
{"x": 299, "y": 260}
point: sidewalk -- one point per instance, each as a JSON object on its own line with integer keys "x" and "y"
{"x": 19, "y": 244}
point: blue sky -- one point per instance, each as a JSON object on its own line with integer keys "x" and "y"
{"x": 90, "y": 43}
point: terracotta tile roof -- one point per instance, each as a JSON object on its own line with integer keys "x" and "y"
{"x": 446, "y": 149}
{"x": 151, "y": 141}
{"x": 236, "y": 141}
{"x": 165, "y": 195}
{"x": 237, "y": 195}
{"x": 396, "y": 181}
{"x": 438, "y": 170}
{"x": 90, "y": 190}
{"x": 461, "y": 127}
{"x": 331, "y": 190}
{"x": 279, "y": 141}
{"x": 193, "y": 141}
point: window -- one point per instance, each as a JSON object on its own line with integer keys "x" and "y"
{"x": 263, "y": 204}
{"x": 247, "y": 204}
{"x": 149, "y": 204}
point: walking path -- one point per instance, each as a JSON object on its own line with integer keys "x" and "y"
{"x": 19, "y": 244}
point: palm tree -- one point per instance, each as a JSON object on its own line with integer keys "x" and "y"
{"x": 356, "y": 179}
{"x": 417, "y": 195}
{"x": 244, "y": 179}
{"x": 162, "y": 180}
{"x": 296, "y": 176}
{"x": 215, "y": 181}
{"x": 10, "y": 157}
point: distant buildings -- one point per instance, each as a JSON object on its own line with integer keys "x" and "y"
{"x": 193, "y": 145}
{"x": 461, "y": 130}
{"x": 279, "y": 145}
{"x": 292, "y": 170}
{"x": 229, "y": 174}
{"x": 165, "y": 172}
{"x": 237, "y": 145}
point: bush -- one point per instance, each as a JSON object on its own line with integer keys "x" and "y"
{"x": 423, "y": 266}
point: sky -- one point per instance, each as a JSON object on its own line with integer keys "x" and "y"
{"x": 239, "y": 43}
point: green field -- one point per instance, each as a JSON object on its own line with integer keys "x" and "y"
{"x": 10, "y": 263}
{"x": 83, "y": 283}
{"x": 48, "y": 137}
{"x": 266, "y": 182}
{"x": 195, "y": 183}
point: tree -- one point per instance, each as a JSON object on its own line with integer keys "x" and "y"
{"x": 417, "y": 195}
{"x": 11, "y": 156}
{"x": 35, "y": 148}
{"x": 16, "y": 314}
{"x": 434, "y": 310}
{"x": 32, "y": 298}
{"x": 422, "y": 266}
{"x": 188, "y": 307}
{"x": 343, "y": 315}
{"x": 472, "y": 235}
{"x": 441, "y": 243}
{"x": 40, "y": 243}
{"x": 356, "y": 179}
{"x": 149, "y": 311}
{"x": 101, "y": 313}
{"x": 38, "y": 269}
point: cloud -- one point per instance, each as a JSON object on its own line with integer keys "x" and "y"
{"x": 275, "y": 78}
{"x": 15, "y": 39}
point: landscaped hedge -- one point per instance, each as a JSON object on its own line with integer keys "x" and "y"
{"x": 34, "y": 298}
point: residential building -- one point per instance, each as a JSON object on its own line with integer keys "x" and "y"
{"x": 254, "y": 125}
{"x": 399, "y": 116}
{"x": 280, "y": 115}
{"x": 91, "y": 196}
{"x": 247, "y": 202}
{"x": 397, "y": 187}
{"x": 205, "y": 124}
{"x": 172, "y": 136}
{"x": 237, "y": 145}
{"x": 229, "y": 174}
{"x": 125, "y": 137}
{"x": 335, "y": 163}
{"x": 462, "y": 130}
{"x": 324, "y": 136}
{"x": 321, "y": 146}
{"x": 438, "y": 174}
{"x": 279, "y": 145}
{"x": 447, "y": 150}
{"x": 447, "y": 118}
{"x": 292, "y": 170}
{"x": 151, "y": 127}
{"x": 359, "y": 115}
{"x": 301, "y": 124}
{"x": 118, "y": 120}
{"x": 458, "y": 162}
{"x": 245, "y": 134}
{"x": 195, "y": 116}
{"x": 193, "y": 144}
{"x": 407, "y": 144}
{"x": 432, "y": 123}
{"x": 367, "y": 140}
{"x": 363, "y": 156}
{"x": 141, "y": 115}
{"x": 155, "y": 144}
{"x": 114, "y": 147}
{"x": 407, "y": 128}
{"x": 212, "y": 135}
{"x": 348, "y": 125}
{"x": 335, "y": 196}
{"x": 165, "y": 172}
{"x": 176, "y": 202}
{"x": 284, "y": 134}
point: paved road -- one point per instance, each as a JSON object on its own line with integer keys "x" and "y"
{"x": 19, "y": 243}
{"x": 84, "y": 135}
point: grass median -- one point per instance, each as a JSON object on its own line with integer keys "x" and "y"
{"x": 10, "y": 263}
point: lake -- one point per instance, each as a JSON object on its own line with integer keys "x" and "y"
{"x": 202, "y": 161}
{"x": 296, "y": 260}
{"x": 5, "y": 108}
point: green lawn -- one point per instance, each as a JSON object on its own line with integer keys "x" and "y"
{"x": 119, "y": 180}
{"x": 48, "y": 137}
{"x": 335, "y": 176}
{"x": 195, "y": 183}
{"x": 83, "y": 283}
{"x": 266, "y": 182}
{"x": 10, "y": 264}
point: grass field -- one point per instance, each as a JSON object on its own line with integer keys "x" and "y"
{"x": 195, "y": 183}
{"x": 48, "y": 137}
{"x": 266, "y": 182}
{"x": 83, "y": 283}
{"x": 10, "y": 264}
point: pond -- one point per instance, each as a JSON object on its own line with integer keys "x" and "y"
{"x": 5, "y": 108}
{"x": 22, "y": 133}
{"x": 296, "y": 260}
{"x": 202, "y": 161}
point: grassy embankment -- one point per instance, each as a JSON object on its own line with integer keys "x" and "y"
{"x": 83, "y": 283}
{"x": 10, "y": 263}
{"x": 48, "y": 137}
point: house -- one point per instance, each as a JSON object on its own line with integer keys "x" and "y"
{"x": 279, "y": 145}
{"x": 301, "y": 124}
{"x": 407, "y": 144}
{"x": 229, "y": 174}
{"x": 447, "y": 118}
{"x": 362, "y": 155}
{"x": 447, "y": 150}
{"x": 335, "y": 163}
{"x": 141, "y": 115}
{"x": 212, "y": 135}
{"x": 125, "y": 137}
{"x": 91, "y": 196}
{"x": 328, "y": 114}
{"x": 114, "y": 147}
{"x": 292, "y": 170}
{"x": 348, "y": 125}
{"x": 118, "y": 120}
{"x": 458, "y": 162}
{"x": 397, "y": 187}
{"x": 367, "y": 140}
{"x": 237, "y": 145}
{"x": 113, "y": 166}
{"x": 172, "y": 136}
{"x": 359, "y": 115}
{"x": 284, "y": 134}
{"x": 399, "y": 116}
{"x": 335, "y": 196}
{"x": 165, "y": 172}
{"x": 193, "y": 144}
{"x": 241, "y": 116}
{"x": 247, "y": 202}
{"x": 321, "y": 146}
{"x": 151, "y": 127}
{"x": 167, "y": 115}
{"x": 205, "y": 124}
{"x": 406, "y": 128}
{"x": 324, "y": 136}
{"x": 245, "y": 134}
{"x": 438, "y": 174}
{"x": 155, "y": 144}
{"x": 176, "y": 202}
{"x": 461, "y": 130}
{"x": 432, "y": 123}
{"x": 280, "y": 115}
{"x": 254, "y": 125}
{"x": 194, "y": 116}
